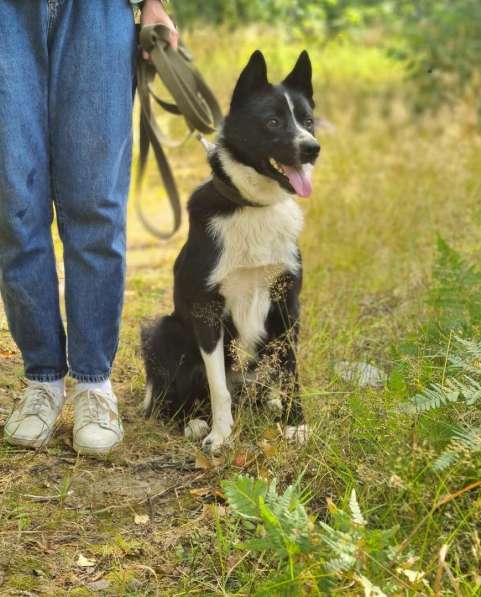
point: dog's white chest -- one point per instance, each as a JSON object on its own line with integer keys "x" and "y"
{"x": 257, "y": 245}
{"x": 248, "y": 300}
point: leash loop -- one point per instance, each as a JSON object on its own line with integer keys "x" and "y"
{"x": 193, "y": 100}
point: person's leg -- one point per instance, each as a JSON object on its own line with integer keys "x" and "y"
{"x": 91, "y": 96}
{"x": 28, "y": 279}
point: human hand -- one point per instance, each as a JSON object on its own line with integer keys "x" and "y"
{"x": 153, "y": 13}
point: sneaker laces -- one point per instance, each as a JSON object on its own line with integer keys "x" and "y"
{"x": 94, "y": 406}
{"x": 38, "y": 401}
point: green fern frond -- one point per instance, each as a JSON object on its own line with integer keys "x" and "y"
{"x": 430, "y": 398}
{"x": 447, "y": 458}
{"x": 471, "y": 438}
{"x": 343, "y": 563}
{"x": 469, "y": 389}
{"x": 464, "y": 385}
{"x": 282, "y": 517}
{"x": 469, "y": 347}
{"x": 243, "y": 495}
{"x": 356, "y": 513}
{"x": 456, "y": 291}
{"x": 466, "y": 359}
{"x": 461, "y": 364}
{"x": 345, "y": 549}
{"x": 464, "y": 443}
{"x": 343, "y": 546}
{"x": 337, "y": 540}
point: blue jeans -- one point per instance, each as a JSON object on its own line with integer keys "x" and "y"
{"x": 66, "y": 93}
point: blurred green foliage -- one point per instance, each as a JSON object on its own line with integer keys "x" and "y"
{"x": 438, "y": 41}
{"x": 442, "y": 49}
{"x": 323, "y": 16}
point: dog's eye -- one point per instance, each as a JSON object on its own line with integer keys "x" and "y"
{"x": 273, "y": 123}
{"x": 309, "y": 123}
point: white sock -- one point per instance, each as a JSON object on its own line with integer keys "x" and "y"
{"x": 57, "y": 386}
{"x": 102, "y": 386}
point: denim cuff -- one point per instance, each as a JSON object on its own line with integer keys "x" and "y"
{"x": 46, "y": 377}
{"x": 87, "y": 378}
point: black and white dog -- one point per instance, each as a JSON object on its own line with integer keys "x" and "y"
{"x": 238, "y": 276}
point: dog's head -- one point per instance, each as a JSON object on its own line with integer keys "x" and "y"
{"x": 271, "y": 127}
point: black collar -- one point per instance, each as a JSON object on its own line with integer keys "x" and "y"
{"x": 231, "y": 193}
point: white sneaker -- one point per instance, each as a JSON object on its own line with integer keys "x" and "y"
{"x": 97, "y": 426}
{"x": 33, "y": 419}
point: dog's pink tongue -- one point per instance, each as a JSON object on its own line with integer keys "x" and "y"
{"x": 300, "y": 179}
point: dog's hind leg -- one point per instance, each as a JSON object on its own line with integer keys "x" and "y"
{"x": 173, "y": 368}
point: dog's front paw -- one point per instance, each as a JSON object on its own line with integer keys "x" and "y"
{"x": 297, "y": 433}
{"x": 215, "y": 440}
{"x": 196, "y": 429}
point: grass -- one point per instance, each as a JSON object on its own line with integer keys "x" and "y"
{"x": 152, "y": 519}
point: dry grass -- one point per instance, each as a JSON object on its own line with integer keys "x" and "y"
{"x": 385, "y": 187}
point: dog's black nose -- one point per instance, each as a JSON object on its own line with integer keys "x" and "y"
{"x": 309, "y": 150}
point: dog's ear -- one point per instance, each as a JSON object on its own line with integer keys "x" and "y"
{"x": 300, "y": 77}
{"x": 252, "y": 78}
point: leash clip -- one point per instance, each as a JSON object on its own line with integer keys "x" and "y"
{"x": 206, "y": 144}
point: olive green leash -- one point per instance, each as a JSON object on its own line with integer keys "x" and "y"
{"x": 193, "y": 100}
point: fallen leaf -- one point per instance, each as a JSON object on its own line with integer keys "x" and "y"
{"x": 413, "y": 575}
{"x": 331, "y": 506}
{"x": 269, "y": 450}
{"x": 205, "y": 463}
{"x": 83, "y": 562}
{"x": 141, "y": 519}
{"x": 202, "y": 461}
{"x": 201, "y": 492}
